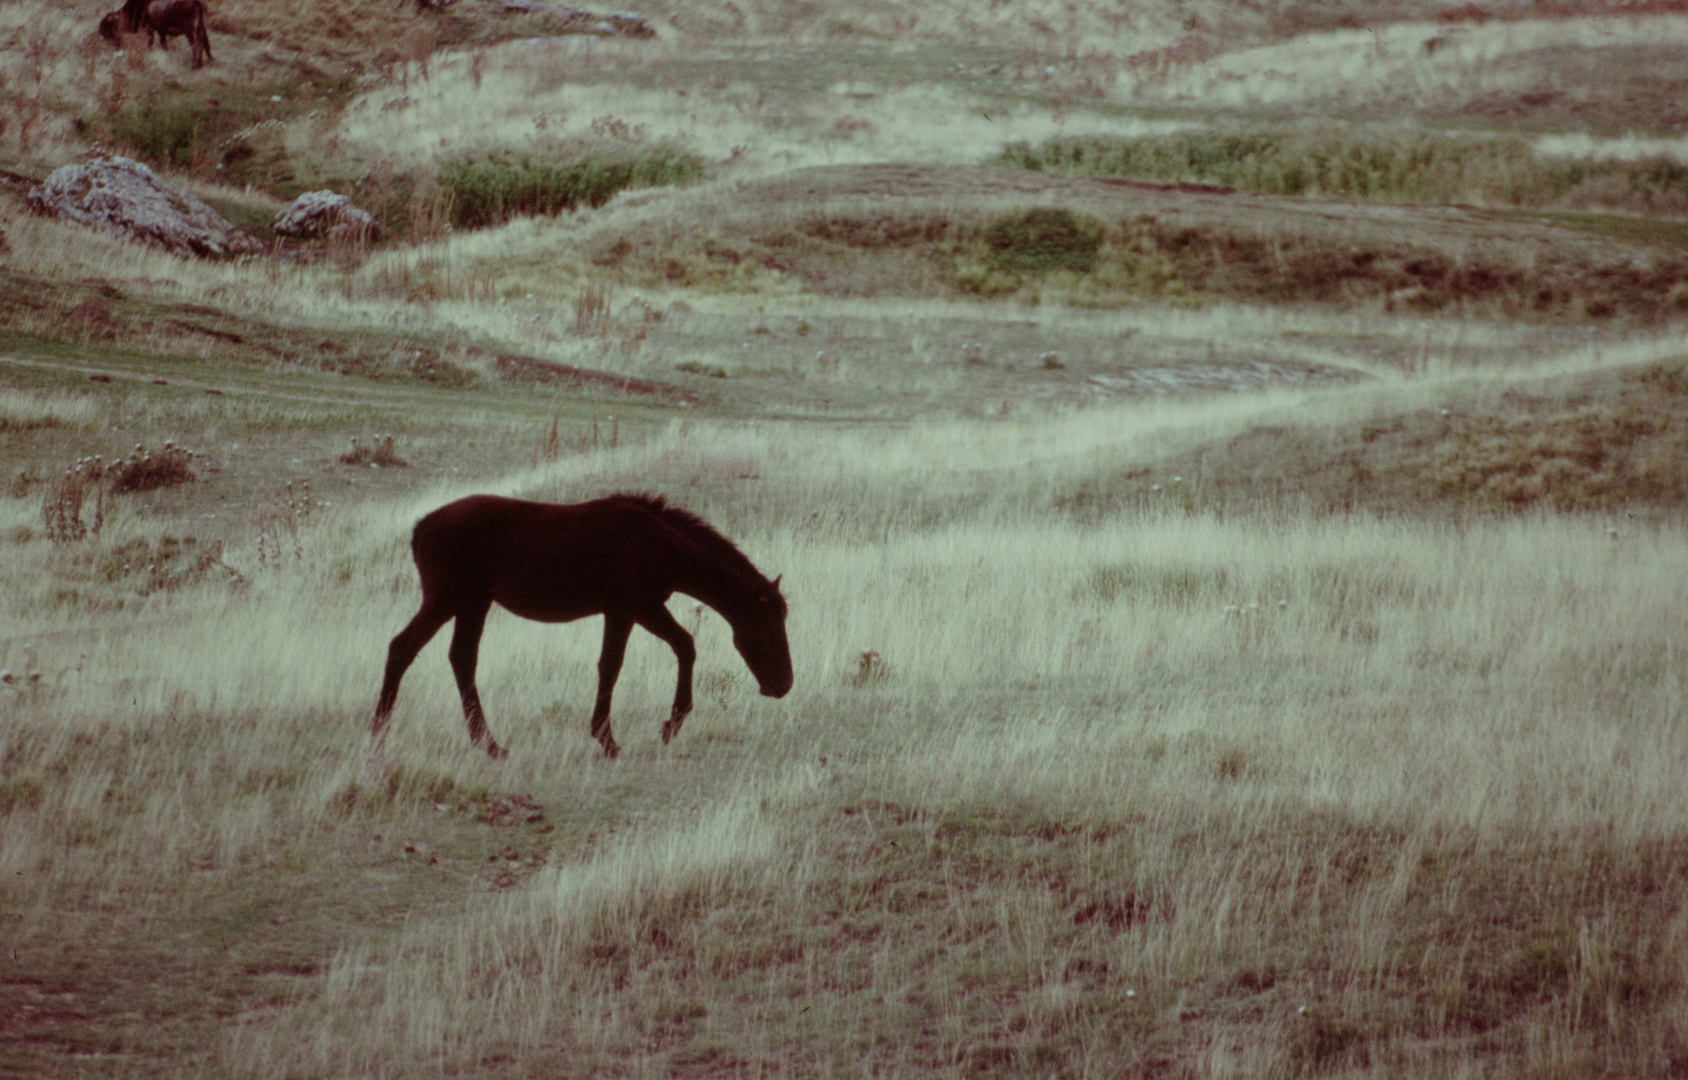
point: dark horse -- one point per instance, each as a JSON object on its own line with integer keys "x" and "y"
{"x": 621, "y": 557}
{"x": 165, "y": 18}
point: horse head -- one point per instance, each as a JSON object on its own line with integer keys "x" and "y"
{"x": 759, "y": 637}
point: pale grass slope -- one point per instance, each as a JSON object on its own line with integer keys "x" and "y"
{"x": 1169, "y": 675}
{"x": 1428, "y": 63}
{"x": 1502, "y": 722}
{"x": 1125, "y": 793}
{"x": 521, "y": 94}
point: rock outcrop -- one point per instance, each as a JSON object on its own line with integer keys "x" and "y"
{"x": 126, "y": 199}
{"x": 323, "y": 214}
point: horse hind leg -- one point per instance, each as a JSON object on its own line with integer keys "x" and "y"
{"x": 465, "y": 652}
{"x": 400, "y": 655}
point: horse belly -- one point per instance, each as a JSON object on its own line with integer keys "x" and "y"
{"x": 546, "y": 597}
{"x": 540, "y": 609}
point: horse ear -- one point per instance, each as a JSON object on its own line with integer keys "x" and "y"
{"x": 776, "y": 582}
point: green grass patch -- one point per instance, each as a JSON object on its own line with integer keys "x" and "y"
{"x": 1414, "y": 167}
{"x": 234, "y": 137}
{"x": 1042, "y": 239}
{"x": 1152, "y": 259}
{"x": 166, "y": 135}
{"x": 496, "y": 187}
{"x": 1616, "y": 226}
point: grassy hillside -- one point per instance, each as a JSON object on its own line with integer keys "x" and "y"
{"x": 1226, "y": 464}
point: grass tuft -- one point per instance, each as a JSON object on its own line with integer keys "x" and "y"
{"x": 378, "y": 451}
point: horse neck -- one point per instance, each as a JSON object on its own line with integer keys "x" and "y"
{"x": 701, "y": 574}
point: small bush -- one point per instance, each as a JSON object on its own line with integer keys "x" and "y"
{"x": 492, "y": 189}
{"x": 146, "y": 471}
{"x": 1043, "y": 239}
{"x": 378, "y": 451}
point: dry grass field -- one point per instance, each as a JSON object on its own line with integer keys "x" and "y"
{"x": 1227, "y": 463}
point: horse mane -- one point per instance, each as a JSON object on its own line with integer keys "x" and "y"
{"x": 698, "y": 531}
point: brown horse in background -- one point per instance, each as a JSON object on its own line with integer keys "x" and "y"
{"x": 621, "y": 557}
{"x": 166, "y": 19}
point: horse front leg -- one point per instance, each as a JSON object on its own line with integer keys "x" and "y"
{"x": 617, "y": 629}
{"x": 660, "y": 622}
{"x": 465, "y": 651}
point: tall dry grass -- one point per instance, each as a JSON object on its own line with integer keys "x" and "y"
{"x": 1166, "y": 780}
{"x": 518, "y": 94}
{"x": 20, "y": 411}
{"x": 1143, "y": 791}
{"x": 1504, "y": 687}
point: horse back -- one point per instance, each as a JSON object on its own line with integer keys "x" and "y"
{"x": 179, "y": 18}
{"x": 542, "y": 561}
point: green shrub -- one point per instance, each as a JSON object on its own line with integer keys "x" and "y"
{"x": 166, "y": 134}
{"x": 492, "y": 189}
{"x": 1043, "y": 239}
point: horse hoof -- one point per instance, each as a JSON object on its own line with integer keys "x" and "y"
{"x": 496, "y": 752}
{"x": 611, "y": 750}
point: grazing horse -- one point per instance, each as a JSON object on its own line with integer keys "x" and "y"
{"x": 166, "y": 19}
{"x": 620, "y": 557}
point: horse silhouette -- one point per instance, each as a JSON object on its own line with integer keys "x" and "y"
{"x": 621, "y": 557}
{"x": 166, "y": 19}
